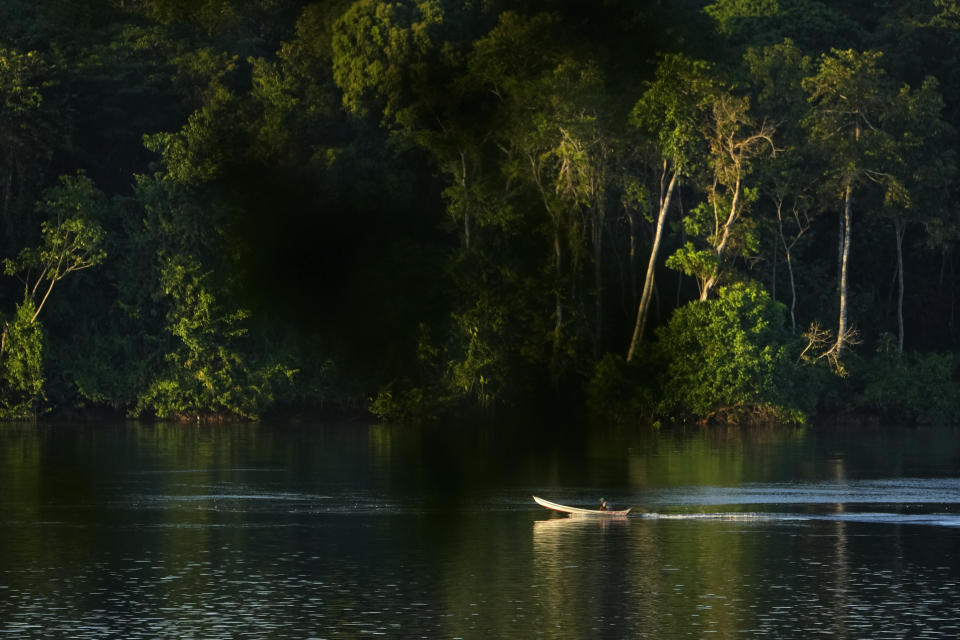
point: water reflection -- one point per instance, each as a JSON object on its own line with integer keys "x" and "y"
{"x": 580, "y": 577}
{"x": 141, "y": 531}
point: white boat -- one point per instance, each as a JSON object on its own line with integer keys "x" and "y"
{"x": 577, "y": 511}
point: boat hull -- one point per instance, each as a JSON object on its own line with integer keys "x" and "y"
{"x": 577, "y": 511}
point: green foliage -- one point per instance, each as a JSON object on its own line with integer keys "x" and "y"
{"x": 21, "y": 365}
{"x": 71, "y": 238}
{"x": 21, "y": 83}
{"x": 949, "y": 13}
{"x": 209, "y": 13}
{"x": 920, "y": 161}
{"x": 728, "y": 12}
{"x": 312, "y": 49}
{"x": 456, "y": 202}
{"x": 205, "y": 373}
{"x": 849, "y": 93}
{"x": 197, "y": 152}
{"x": 380, "y": 52}
{"x": 813, "y": 24}
{"x": 480, "y": 372}
{"x": 696, "y": 263}
{"x": 670, "y": 110}
{"x": 30, "y": 125}
{"x": 618, "y": 392}
{"x": 787, "y": 180}
{"x": 914, "y": 387}
{"x": 421, "y": 397}
{"x": 407, "y": 406}
{"x": 727, "y": 358}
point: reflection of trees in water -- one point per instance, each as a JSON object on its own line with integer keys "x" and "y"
{"x": 577, "y": 571}
{"x": 840, "y": 560}
{"x": 654, "y": 578}
{"x": 24, "y": 492}
{"x": 485, "y": 577}
{"x": 696, "y": 456}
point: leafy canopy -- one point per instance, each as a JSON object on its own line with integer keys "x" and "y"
{"x": 726, "y": 354}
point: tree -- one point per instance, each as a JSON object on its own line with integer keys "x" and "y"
{"x": 734, "y": 140}
{"x": 508, "y": 118}
{"x": 71, "y": 240}
{"x": 949, "y": 14}
{"x": 776, "y": 73}
{"x": 729, "y": 14}
{"x": 582, "y": 155}
{"x": 231, "y": 20}
{"x": 792, "y": 206}
{"x": 813, "y": 24}
{"x": 29, "y": 129}
{"x": 849, "y": 95}
{"x": 556, "y": 143}
{"x": 727, "y": 357}
{"x": 380, "y": 53}
{"x": 21, "y": 364}
{"x": 669, "y": 111}
{"x": 921, "y": 166}
{"x": 205, "y": 373}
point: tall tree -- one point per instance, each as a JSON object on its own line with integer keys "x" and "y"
{"x": 849, "y": 94}
{"x": 71, "y": 240}
{"x": 555, "y": 141}
{"x": 776, "y": 73}
{"x": 921, "y": 167}
{"x": 669, "y": 112}
{"x": 734, "y": 140}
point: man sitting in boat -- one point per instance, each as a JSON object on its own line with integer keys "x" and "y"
{"x": 603, "y": 504}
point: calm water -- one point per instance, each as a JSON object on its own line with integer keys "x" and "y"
{"x": 138, "y": 531}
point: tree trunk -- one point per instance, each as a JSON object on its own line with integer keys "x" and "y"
{"x": 648, "y": 283}
{"x": 721, "y": 247}
{"x": 788, "y": 256}
{"x": 683, "y": 242}
{"x": 43, "y": 301}
{"x": 793, "y": 294}
{"x": 899, "y": 228}
{"x": 773, "y": 271}
{"x": 466, "y": 201}
{"x": 7, "y": 220}
{"x": 634, "y": 232}
{"x": 844, "y": 265}
{"x": 557, "y": 261}
{"x": 558, "y": 298}
{"x": 598, "y": 273}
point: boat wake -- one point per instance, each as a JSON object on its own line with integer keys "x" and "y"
{"x": 893, "y": 501}
{"x": 883, "y": 491}
{"x": 930, "y": 519}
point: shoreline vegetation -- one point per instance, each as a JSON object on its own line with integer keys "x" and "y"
{"x": 702, "y": 212}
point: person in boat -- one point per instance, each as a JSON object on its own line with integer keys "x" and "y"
{"x": 603, "y": 505}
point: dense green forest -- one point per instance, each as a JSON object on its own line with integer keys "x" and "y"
{"x": 737, "y": 210}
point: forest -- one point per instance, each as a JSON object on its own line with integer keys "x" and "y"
{"x": 734, "y": 211}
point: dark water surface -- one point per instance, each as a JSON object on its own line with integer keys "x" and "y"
{"x": 147, "y": 531}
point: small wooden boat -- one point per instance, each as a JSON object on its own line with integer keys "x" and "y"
{"x": 577, "y": 511}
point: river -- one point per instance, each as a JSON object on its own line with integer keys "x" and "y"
{"x": 356, "y": 531}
